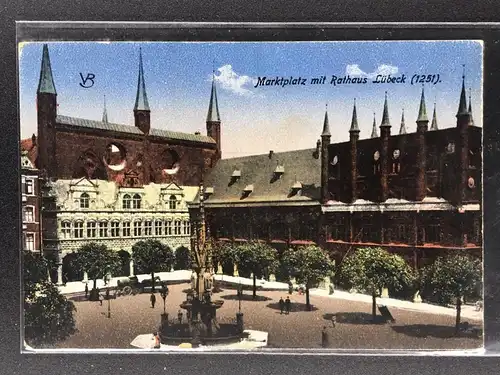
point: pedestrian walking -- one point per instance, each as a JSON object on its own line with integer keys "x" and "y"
{"x": 86, "y": 290}
{"x": 290, "y": 287}
{"x": 282, "y": 305}
{"x": 153, "y": 300}
{"x": 179, "y": 316}
{"x": 156, "y": 337}
{"x": 287, "y": 305}
{"x": 324, "y": 338}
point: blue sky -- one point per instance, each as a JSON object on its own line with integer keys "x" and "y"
{"x": 255, "y": 120}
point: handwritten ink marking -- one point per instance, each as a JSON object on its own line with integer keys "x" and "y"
{"x": 90, "y": 77}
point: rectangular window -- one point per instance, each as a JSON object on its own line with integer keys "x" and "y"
{"x": 29, "y": 241}
{"x": 29, "y": 214}
{"x": 433, "y": 233}
{"x": 177, "y": 227}
{"x": 66, "y": 229}
{"x": 168, "y": 227}
{"x": 158, "y": 228}
{"x": 115, "y": 229}
{"x": 187, "y": 228}
{"x": 91, "y": 229}
{"x": 126, "y": 229}
{"x": 148, "y": 228}
{"x": 78, "y": 229}
{"x": 103, "y": 229}
{"x": 29, "y": 187}
{"x": 137, "y": 229}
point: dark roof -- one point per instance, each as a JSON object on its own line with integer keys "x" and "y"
{"x": 121, "y": 128}
{"x": 259, "y": 171}
{"x": 31, "y": 148}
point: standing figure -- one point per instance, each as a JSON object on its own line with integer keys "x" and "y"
{"x": 179, "y": 316}
{"x": 153, "y": 300}
{"x": 86, "y": 290}
{"x": 287, "y": 305}
{"x": 156, "y": 338}
{"x": 324, "y": 338}
{"x": 282, "y": 305}
{"x": 290, "y": 287}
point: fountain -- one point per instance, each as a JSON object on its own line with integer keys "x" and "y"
{"x": 202, "y": 326}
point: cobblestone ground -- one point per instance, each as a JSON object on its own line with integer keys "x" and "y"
{"x": 133, "y": 315}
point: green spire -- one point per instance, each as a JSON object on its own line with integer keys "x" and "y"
{"x": 354, "y": 121}
{"x": 141, "y": 100}
{"x": 422, "y": 111}
{"x": 374, "y": 127}
{"x": 385, "y": 114}
{"x": 105, "y": 112}
{"x": 326, "y": 127}
{"x": 402, "y": 129}
{"x": 213, "y": 108}
{"x": 46, "y": 83}
{"x": 434, "y": 123}
{"x": 462, "y": 107}
{"x": 470, "y": 107}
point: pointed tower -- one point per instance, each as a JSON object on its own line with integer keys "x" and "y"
{"x": 213, "y": 118}
{"x": 402, "y": 129}
{"x": 462, "y": 144}
{"x": 470, "y": 108}
{"x": 105, "y": 112}
{"x": 325, "y": 142}
{"x": 422, "y": 125}
{"x": 374, "y": 128}
{"x": 385, "y": 134}
{"x": 142, "y": 113}
{"x": 353, "y": 140}
{"x": 46, "y": 97}
{"x": 434, "y": 123}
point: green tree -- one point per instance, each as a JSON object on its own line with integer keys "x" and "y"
{"x": 152, "y": 256}
{"x": 309, "y": 265}
{"x": 256, "y": 258}
{"x": 98, "y": 261}
{"x": 372, "y": 269}
{"x": 452, "y": 277}
{"x": 182, "y": 259}
{"x": 48, "y": 315}
{"x": 222, "y": 253}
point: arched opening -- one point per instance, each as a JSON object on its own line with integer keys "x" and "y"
{"x": 136, "y": 201}
{"x": 172, "y": 202}
{"x": 70, "y": 271}
{"x": 84, "y": 200}
{"x": 127, "y": 201}
{"x": 124, "y": 263}
{"x": 115, "y": 157}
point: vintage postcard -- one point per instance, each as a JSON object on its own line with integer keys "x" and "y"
{"x": 251, "y": 195}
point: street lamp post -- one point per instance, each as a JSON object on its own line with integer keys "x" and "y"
{"x": 164, "y": 294}
{"x": 109, "y": 302}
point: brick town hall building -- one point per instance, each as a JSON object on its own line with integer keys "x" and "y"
{"x": 414, "y": 193}
{"x": 112, "y": 183}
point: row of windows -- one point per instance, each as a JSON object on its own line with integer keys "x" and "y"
{"x": 102, "y": 229}
{"x": 28, "y": 186}
{"x": 130, "y": 202}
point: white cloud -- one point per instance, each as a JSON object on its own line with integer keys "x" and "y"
{"x": 384, "y": 69}
{"x": 232, "y": 81}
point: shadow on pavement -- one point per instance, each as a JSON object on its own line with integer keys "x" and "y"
{"x": 443, "y": 332}
{"x": 354, "y": 318}
{"x": 295, "y": 307}
{"x": 246, "y": 297}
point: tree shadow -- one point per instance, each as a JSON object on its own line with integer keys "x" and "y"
{"x": 354, "y": 318}
{"x": 246, "y": 297}
{"x": 294, "y": 307}
{"x": 443, "y": 332}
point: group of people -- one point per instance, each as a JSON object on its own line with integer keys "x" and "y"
{"x": 285, "y": 305}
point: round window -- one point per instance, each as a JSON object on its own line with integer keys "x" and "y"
{"x": 471, "y": 183}
{"x": 450, "y": 149}
{"x": 396, "y": 154}
{"x": 335, "y": 160}
{"x": 376, "y": 156}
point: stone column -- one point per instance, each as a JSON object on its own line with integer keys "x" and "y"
{"x": 131, "y": 265}
{"x": 235, "y": 272}
{"x": 59, "y": 274}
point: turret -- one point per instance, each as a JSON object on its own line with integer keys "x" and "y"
{"x": 402, "y": 129}
{"x": 213, "y": 119}
{"x": 353, "y": 140}
{"x": 422, "y": 124}
{"x": 325, "y": 142}
{"x": 142, "y": 113}
{"x": 105, "y": 112}
{"x": 385, "y": 133}
{"x": 46, "y": 116}
{"x": 434, "y": 123}
{"x": 462, "y": 147}
{"x": 374, "y": 128}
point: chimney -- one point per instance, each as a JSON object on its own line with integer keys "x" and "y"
{"x": 271, "y": 154}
